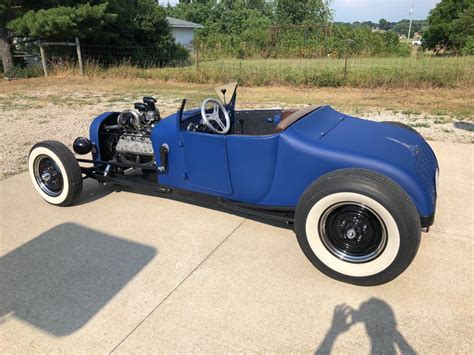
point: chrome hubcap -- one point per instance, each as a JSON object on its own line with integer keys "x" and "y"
{"x": 46, "y": 176}
{"x": 351, "y": 234}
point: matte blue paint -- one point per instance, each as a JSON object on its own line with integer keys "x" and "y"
{"x": 252, "y": 164}
{"x": 94, "y": 133}
{"x": 275, "y": 170}
{"x": 206, "y": 169}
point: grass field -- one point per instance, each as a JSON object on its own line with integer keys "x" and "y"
{"x": 410, "y": 72}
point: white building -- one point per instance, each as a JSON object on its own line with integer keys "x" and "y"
{"x": 183, "y": 31}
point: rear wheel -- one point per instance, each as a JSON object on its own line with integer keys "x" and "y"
{"x": 55, "y": 173}
{"x": 358, "y": 227}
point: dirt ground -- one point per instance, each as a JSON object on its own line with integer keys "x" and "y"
{"x": 62, "y": 108}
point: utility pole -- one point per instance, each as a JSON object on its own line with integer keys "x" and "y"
{"x": 411, "y": 18}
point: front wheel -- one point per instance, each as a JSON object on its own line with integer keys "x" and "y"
{"x": 55, "y": 173}
{"x": 358, "y": 227}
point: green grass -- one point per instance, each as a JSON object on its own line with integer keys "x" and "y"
{"x": 409, "y": 112}
{"x": 410, "y": 72}
{"x": 420, "y": 125}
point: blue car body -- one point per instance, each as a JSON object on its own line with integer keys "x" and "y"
{"x": 274, "y": 170}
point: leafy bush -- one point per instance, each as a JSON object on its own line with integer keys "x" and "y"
{"x": 468, "y": 49}
{"x": 20, "y": 72}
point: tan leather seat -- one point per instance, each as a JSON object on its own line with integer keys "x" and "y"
{"x": 294, "y": 115}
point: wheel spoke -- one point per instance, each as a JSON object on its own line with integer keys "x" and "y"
{"x": 219, "y": 122}
{"x": 212, "y": 110}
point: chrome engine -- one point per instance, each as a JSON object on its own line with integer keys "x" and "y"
{"x": 129, "y": 139}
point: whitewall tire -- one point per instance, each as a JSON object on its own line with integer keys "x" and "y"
{"x": 358, "y": 226}
{"x": 55, "y": 173}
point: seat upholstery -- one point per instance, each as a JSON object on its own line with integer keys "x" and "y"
{"x": 288, "y": 120}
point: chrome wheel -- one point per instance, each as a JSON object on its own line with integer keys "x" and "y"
{"x": 48, "y": 175}
{"x": 352, "y": 232}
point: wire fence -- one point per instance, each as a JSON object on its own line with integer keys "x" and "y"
{"x": 417, "y": 70}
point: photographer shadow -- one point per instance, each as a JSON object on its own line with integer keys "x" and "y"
{"x": 380, "y": 325}
{"x": 60, "y": 280}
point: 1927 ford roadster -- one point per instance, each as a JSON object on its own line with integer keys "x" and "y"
{"x": 358, "y": 192}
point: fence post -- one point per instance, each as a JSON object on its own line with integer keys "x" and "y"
{"x": 346, "y": 56}
{"x": 43, "y": 60}
{"x": 79, "y": 56}
{"x": 197, "y": 58}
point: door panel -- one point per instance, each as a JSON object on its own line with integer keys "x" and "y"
{"x": 205, "y": 158}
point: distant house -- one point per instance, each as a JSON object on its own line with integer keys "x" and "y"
{"x": 183, "y": 31}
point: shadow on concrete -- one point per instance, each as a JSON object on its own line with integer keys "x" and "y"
{"x": 380, "y": 325}
{"x": 92, "y": 191}
{"x": 62, "y": 278}
{"x": 467, "y": 126}
{"x": 208, "y": 205}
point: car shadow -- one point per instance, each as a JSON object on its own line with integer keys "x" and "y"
{"x": 92, "y": 191}
{"x": 380, "y": 324}
{"x": 58, "y": 281}
{"x": 211, "y": 206}
{"x": 467, "y": 126}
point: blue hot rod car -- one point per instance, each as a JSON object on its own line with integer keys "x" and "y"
{"x": 358, "y": 193}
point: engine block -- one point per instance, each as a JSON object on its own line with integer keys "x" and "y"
{"x": 134, "y": 144}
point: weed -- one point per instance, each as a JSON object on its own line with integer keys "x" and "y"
{"x": 420, "y": 125}
{"x": 463, "y": 114}
{"x": 439, "y": 113}
{"x": 411, "y": 112}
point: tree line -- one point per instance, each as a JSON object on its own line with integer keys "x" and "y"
{"x": 235, "y": 28}
{"x": 281, "y": 28}
{"x": 305, "y": 28}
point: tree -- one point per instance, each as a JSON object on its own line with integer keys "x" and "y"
{"x": 63, "y": 22}
{"x": 318, "y": 11}
{"x": 298, "y": 11}
{"x": 383, "y": 24}
{"x": 451, "y": 25}
{"x": 12, "y": 9}
{"x": 140, "y": 24}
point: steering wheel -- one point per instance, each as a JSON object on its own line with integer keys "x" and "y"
{"x": 208, "y": 118}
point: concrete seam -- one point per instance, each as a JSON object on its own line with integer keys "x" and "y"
{"x": 448, "y": 233}
{"x": 178, "y": 285}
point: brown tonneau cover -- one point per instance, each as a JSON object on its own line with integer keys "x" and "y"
{"x": 295, "y": 116}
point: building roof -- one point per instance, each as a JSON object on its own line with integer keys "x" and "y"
{"x": 177, "y": 23}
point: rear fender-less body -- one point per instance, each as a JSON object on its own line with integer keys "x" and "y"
{"x": 309, "y": 149}
{"x": 275, "y": 170}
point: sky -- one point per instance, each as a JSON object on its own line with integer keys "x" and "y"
{"x": 373, "y": 10}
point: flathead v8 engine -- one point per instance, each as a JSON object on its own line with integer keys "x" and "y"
{"x": 128, "y": 140}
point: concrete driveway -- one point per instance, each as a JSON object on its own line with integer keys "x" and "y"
{"x": 126, "y": 272}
